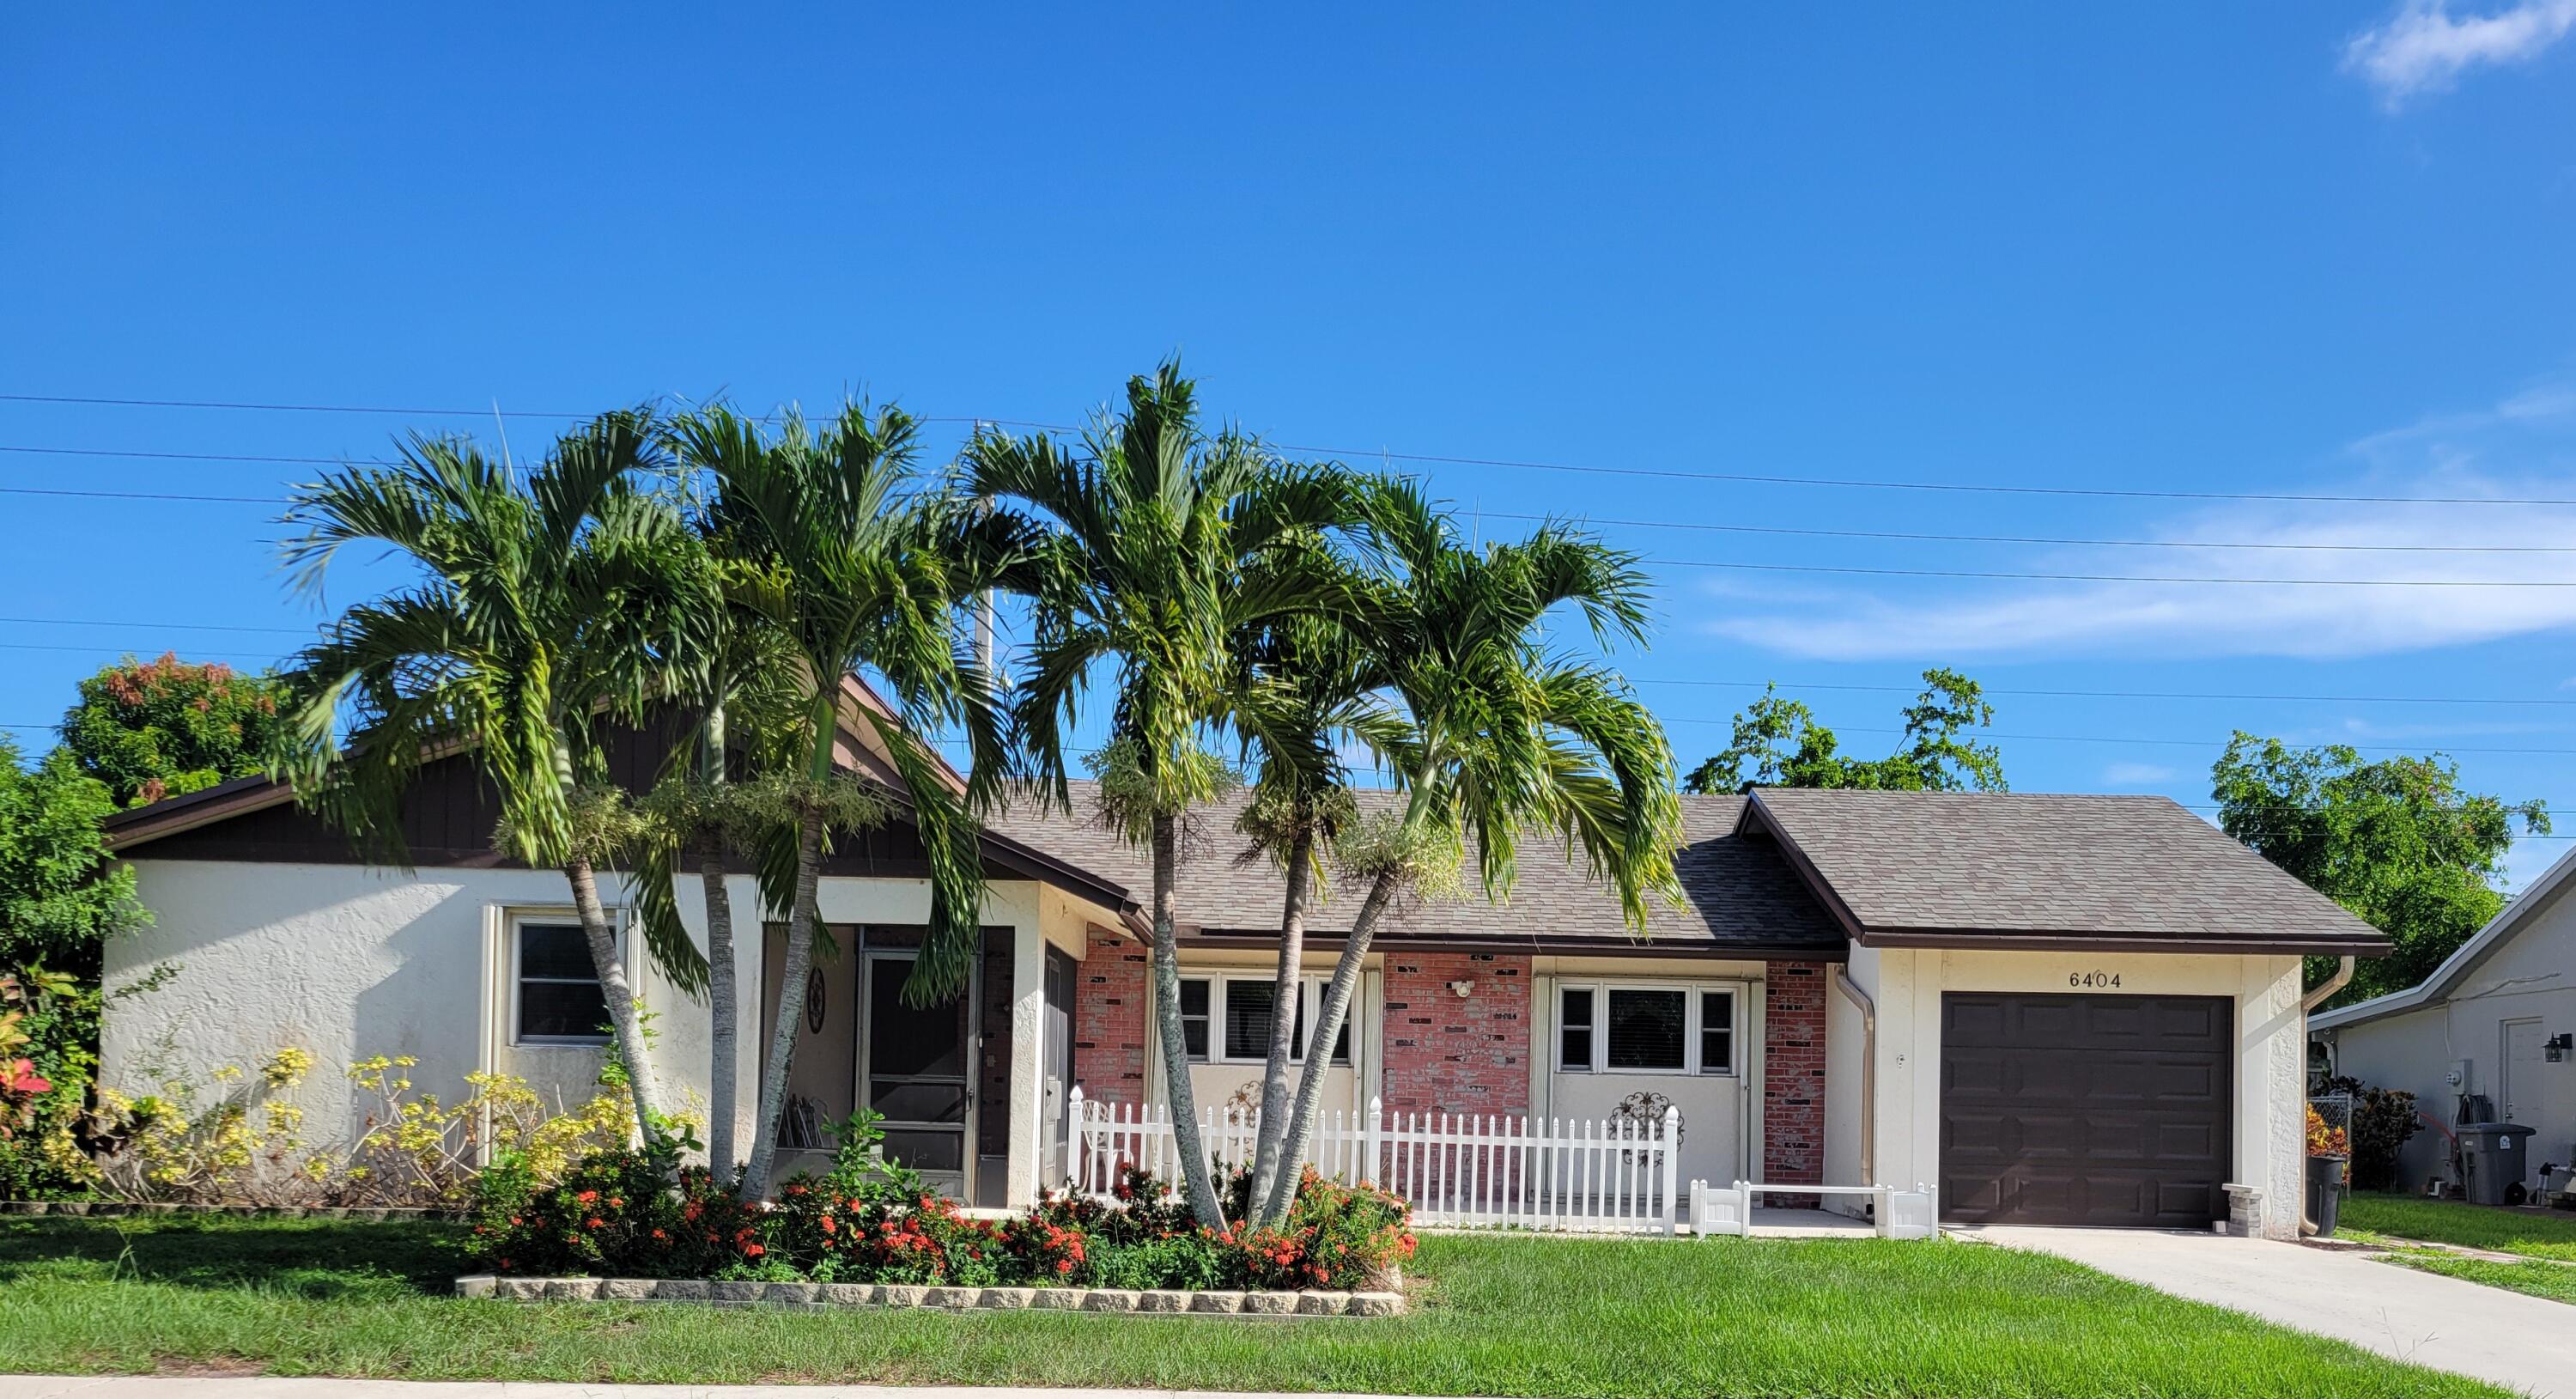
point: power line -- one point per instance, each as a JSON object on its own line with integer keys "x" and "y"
{"x": 2109, "y": 694}
{"x": 2184, "y": 742}
{"x": 1659, "y": 473}
{"x": 2041, "y": 539}
{"x": 2115, "y": 577}
{"x": 150, "y": 495}
{"x": 156, "y": 626}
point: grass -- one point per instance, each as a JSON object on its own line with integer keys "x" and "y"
{"x": 1493, "y": 1315}
{"x": 2555, "y": 1281}
{"x": 2526, "y": 1232}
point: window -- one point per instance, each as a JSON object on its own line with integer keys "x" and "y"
{"x": 559, "y": 996}
{"x": 1574, "y": 1029}
{"x": 1645, "y": 1029}
{"x": 1194, "y": 1018}
{"x": 1717, "y": 1032}
{"x": 1247, "y": 1018}
{"x": 1241, "y": 1021}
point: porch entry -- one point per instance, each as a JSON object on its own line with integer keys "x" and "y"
{"x": 938, "y": 1073}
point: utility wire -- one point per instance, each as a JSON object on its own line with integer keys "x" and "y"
{"x": 2105, "y": 694}
{"x": 1660, "y": 473}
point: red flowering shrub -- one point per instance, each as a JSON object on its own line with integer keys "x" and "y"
{"x": 613, "y": 1214}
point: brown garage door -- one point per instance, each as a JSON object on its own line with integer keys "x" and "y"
{"x": 2087, "y": 1109}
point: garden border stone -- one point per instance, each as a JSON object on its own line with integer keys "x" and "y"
{"x": 811, "y": 1296}
{"x": 108, "y": 1209}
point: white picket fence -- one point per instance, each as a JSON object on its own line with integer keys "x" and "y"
{"x": 1608, "y": 1176}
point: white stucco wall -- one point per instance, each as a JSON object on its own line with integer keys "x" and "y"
{"x": 2529, "y": 980}
{"x": 1906, "y": 985}
{"x": 349, "y": 961}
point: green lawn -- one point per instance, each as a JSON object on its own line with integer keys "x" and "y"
{"x": 2555, "y": 1281}
{"x": 1493, "y": 1315}
{"x": 2527, "y": 1232}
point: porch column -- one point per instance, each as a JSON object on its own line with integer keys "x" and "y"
{"x": 1028, "y": 1065}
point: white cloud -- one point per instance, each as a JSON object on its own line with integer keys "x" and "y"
{"x": 2137, "y": 774}
{"x": 2424, "y": 48}
{"x": 2313, "y": 602}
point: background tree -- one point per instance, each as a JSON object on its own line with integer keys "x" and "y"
{"x": 62, "y": 896}
{"x": 2395, "y": 841}
{"x": 1168, "y": 546}
{"x": 1499, "y": 739}
{"x": 1778, "y": 743}
{"x": 853, "y": 561}
{"x": 154, "y": 729}
{"x": 552, "y": 604}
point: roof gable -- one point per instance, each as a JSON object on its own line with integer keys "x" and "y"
{"x": 1996, "y": 869}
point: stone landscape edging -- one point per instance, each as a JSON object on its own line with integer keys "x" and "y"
{"x": 112, "y": 1208}
{"x": 820, "y": 1296}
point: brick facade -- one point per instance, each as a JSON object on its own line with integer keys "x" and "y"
{"x": 1793, "y": 1076}
{"x": 1109, "y": 1027}
{"x": 1445, "y": 1053}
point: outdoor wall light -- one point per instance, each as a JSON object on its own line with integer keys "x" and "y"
{"x": 2555, "y": 1050}
{"x": 1463, "y": 987}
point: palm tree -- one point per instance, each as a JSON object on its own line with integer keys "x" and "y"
{"x": 1169, "y": 544}
{"x": 552, "y": 603}
{"x": 1306, "y": 683}
{"x": 853, "y": 561}
{"x": 1500, "y": 739}
{"x": 696, "y": 809}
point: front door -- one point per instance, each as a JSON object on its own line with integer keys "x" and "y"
{"x": 1056, "y": 1045}
{"x": 2518, "y": 1087}
{"x": 914, "y": 1070}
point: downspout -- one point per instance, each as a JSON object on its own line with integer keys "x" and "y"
{"x": 1868, "y": 1071}
{"x": 2342, "y": 977}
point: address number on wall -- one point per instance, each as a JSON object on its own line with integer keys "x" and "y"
{"x": 2094, "y": 981}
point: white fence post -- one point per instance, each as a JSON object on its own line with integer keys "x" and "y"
{"x": 1672, "y": 1167}
{"x": 1081, "y": 1182}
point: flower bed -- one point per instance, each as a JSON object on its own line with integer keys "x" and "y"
{"x": 870, "y": 1224}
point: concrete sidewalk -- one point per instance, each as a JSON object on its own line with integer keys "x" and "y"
{"x": 261, "y": 1387}
{"x": 2523, "y": 1343}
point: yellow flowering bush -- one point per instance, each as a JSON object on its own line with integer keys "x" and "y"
{"x": 240, "y": 1138}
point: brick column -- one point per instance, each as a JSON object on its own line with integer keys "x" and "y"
{"x": 1445, "y": 1053}
{"x": 1793, "y": 1078}
{"x": 1109, "y": 1027}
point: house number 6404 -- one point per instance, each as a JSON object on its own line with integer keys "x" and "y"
{"x": 2094, "y": 980}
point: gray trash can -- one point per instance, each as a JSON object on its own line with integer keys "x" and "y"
{"x": 2492, "y": 1161}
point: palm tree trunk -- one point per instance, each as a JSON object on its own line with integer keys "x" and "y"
{"x": 620, "y": 995}
{"x": 1267, "y": 1161}
{"x": 724, "y": 1020}
{"x": 1328, "y": 1026}
{"x": 791, "y": 1002}
{"x": 1195, "y": 1172}
{"x": 724, "y": 1010}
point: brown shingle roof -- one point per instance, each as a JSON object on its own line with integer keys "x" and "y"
{"x": 1739, "y": 896}
{"x": 1993, "y": 868}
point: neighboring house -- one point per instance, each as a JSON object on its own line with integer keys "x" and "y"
{"x": 2494, "y": 1020}
{"x": 2085, "y": 1009}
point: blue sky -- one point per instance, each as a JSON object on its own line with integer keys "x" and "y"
{"x": 2292, "y": 249}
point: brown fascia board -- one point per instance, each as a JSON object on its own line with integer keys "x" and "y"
{"x": 1758, "y": 820}
{"x": 1392, "y": 942}
{"x": 171, "y": 815}
{"x": 2079, "y": 940}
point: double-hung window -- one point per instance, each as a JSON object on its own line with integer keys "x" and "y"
{"x": 1226, "y": 1019}
{"x": 1644, "y": 1029}
{"x": 558, "y": 995}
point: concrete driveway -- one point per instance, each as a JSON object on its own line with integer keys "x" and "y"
{"x": 2523, "y": 1343}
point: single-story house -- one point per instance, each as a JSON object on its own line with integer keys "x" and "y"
{"x": 2496, "y": 1020}
{"x": 2059, "y": 1009}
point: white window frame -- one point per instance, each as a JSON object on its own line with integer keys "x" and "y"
{"x": 520, "y": 919}
{"x": 1694, "y": 998}
{"x": 1310, "y": 989}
